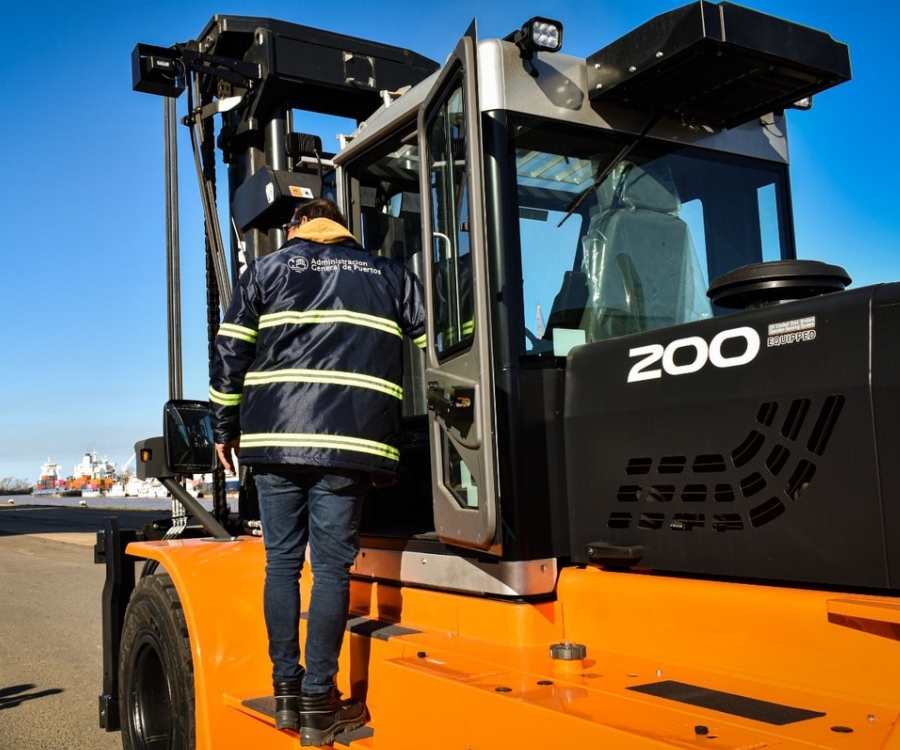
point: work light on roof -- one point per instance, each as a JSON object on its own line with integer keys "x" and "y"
{"x": 539, "y": 35}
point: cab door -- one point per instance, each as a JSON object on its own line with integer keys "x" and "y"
{"x": 458, "y": 376}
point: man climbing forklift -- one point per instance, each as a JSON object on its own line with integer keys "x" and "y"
{"x": 306, "y": 386}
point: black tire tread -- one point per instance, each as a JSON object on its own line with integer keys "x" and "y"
{"x": 157, "y": 596}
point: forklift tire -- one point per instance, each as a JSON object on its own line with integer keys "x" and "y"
{"x": 156, "y": 670}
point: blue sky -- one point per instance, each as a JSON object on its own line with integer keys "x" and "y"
{"x": 82, "y": 193}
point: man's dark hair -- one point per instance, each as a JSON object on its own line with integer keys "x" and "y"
{"x": 320, "y": 208}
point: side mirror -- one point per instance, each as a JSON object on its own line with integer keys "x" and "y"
{"x": 188, "y": 436}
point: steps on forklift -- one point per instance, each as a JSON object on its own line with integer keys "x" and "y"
{"x": 263, "y": 708}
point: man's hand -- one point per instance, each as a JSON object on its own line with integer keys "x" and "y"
{"x": 227, "y": 452}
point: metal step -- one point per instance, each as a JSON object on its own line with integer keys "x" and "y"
{"x": 264, "y": 707}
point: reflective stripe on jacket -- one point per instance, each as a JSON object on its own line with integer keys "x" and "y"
{"x": 308, "y": 361}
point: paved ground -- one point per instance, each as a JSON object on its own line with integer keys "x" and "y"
{"x": 50, "y": 644}
{"x": 70, "y": 524}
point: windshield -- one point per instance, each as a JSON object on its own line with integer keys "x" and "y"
{"x": 641, "y": 246}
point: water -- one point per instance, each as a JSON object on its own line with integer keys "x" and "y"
{"x": 102, "y": 503}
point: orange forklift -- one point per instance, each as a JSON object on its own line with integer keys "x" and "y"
{"x": 644, "y": 497}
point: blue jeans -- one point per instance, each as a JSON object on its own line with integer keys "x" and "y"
{"x": 297, "y": 506}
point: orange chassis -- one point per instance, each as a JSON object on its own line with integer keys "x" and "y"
{"x": 668, "y": 663}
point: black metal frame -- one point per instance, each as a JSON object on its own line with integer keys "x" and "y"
{"x": 109, "y": 549}
{"x": 716, "y": 63}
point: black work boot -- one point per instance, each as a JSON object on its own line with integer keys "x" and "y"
{"x": 323, "y": 716}
{"x": 287, "y": 705}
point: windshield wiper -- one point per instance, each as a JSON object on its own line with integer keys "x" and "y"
{"x": 610, "y": 166}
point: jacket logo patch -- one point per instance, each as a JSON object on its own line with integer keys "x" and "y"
{"x": 298, "y": 264}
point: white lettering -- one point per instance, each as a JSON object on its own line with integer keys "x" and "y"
{"x": 790, "y": 338}
{"x": 790, "y": 326}
{"x": 701, "y": 354}
{"x": 750, "y": 336}
{"x": 323, "y": 265}
{"x": 653, "y": 354}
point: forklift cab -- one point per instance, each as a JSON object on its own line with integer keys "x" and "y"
{"x": 539, "y": 220}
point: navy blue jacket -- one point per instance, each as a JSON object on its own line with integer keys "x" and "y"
{"x": 308, "y": 361}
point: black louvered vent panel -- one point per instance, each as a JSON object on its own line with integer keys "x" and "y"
{"x": 800, "y": 480}
{"x": 694, "y": 493}
{"x": 746, "y": 451}
{"x": 825, "y": 424}
{"x": 639, "y": 466}
{"x": 778, "y": 457}
{"x": 772, "y": 467}
{"x": 766, "y": 414}
{"x": 724, "y": 493}
{"x": 672, "y": 464}
{"x": 793, "y": 423}
{"x": 629, "y": 493}
{"x": 713, "y": 462}
{"x": 727, "y": 522}
{"x": 766, "y": 512}
{"x": 661, "y": 493}
{"x": 687, "y": 521}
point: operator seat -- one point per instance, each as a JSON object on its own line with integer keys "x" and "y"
{"x": 639, "y": 260}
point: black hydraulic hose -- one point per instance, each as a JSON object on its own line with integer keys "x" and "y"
{"x": 200, "y": 146}
{"x": 193, "y": 506}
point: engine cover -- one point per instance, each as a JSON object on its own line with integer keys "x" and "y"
{"x": 754, "y": 445}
